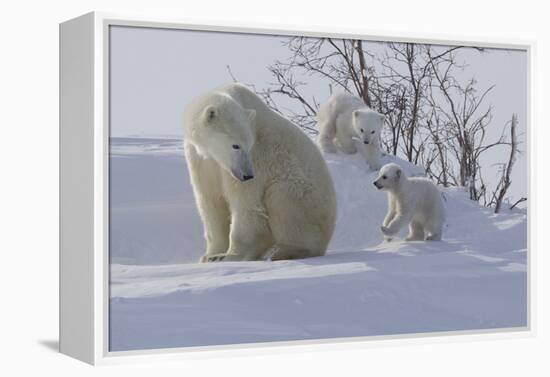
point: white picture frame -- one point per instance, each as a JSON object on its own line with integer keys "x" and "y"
{"x": 84, "y": 190}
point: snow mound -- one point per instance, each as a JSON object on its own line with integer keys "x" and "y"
{"x": 476, "y": 278}
{"x": 361, "y": 207}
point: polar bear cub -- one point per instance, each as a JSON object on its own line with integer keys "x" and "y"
{"x": 411, "y": 200}
{"x": 343, "y": 119}
{"x": 260, "y": 184}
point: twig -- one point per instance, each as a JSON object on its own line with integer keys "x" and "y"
{"x": 521, "y": 200}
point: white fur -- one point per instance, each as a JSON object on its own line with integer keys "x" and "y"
{"x": 287, "y": 209}
{"x": 345, "y": 119}
{"x": 411, "y": 200}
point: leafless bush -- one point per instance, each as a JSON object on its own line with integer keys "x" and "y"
{"x": 433, "y": 118}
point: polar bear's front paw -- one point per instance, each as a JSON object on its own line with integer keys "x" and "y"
{"x": 212, "y": 258}
{"x": 387, "y": 232}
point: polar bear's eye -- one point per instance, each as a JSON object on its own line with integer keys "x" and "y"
{"x": 372, "y": 132}
{"x": 235, "y": 146}
{"x": 384, "y": 177}
{"x": 362, "y": 130}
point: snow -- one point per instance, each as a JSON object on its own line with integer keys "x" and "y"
{"x": 476, "y": 278}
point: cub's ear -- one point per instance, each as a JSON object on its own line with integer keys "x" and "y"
{"x": 382, "y": 118}
{"x": 210, "y": 113}
{"x": 355, "y": 113}
{"x": 251, "y": 115}
{"x": 398, "y": 173}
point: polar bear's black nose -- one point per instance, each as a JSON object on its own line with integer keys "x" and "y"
{"x": 366, "y": 142}
{"x": 247, "y": 177}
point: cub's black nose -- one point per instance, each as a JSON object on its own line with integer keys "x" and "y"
{"x": 366, "y": 142}
{"x": 247, "y": 177}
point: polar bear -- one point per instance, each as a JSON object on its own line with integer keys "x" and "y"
{"x": 261, "y": 186}
{"x": 411, "y": 200}
{"x": 343, "y": 119}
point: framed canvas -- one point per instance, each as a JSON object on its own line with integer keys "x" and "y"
{"x": 230, "y": 187}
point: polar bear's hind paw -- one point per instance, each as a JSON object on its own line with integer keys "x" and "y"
{"x": 434, "y": 237}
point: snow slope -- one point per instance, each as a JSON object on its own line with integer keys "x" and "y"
{"x": 160, "y": 296}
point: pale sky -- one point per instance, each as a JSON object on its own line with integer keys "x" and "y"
{"x": 156, "y": 72}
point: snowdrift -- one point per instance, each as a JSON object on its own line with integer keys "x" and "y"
{"x": 160, "y": 297}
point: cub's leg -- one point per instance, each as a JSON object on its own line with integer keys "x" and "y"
{"x": 434, "y": 237}
{"x": 403, "y": 217}
{"x": 435, "y": 233}
{"x": 434, "y": 228}
{"x": 390, "y": 215}
{"x": 344, "y": 140}
{"x": 416, "y": 231}
{"x": 346, "y": 144}
{"x": 326, "y": 137}
{"x": 372, "y": 155}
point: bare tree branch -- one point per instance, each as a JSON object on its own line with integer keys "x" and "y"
{"x": 520, "y": 200}
{"x": 506, "y": 179}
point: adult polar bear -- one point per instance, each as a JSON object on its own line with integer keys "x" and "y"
{"x": 260, "y": 184}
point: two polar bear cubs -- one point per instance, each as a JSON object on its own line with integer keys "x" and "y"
{"x": 345, "y": 119}
{"x": 415, "y": 201}
{"x": 260, "y": 184}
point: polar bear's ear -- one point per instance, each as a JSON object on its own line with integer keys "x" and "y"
{"x": 382, "y": 118}
{"x": 210, "y": 113}
{"x": 356, "y": 113}
{"x": 398, "y": 173}
{"x": 251, "y": 115}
